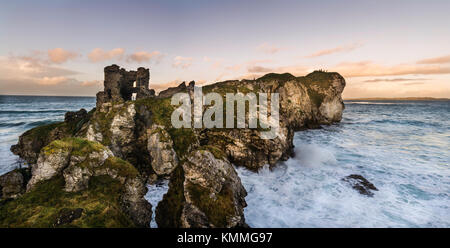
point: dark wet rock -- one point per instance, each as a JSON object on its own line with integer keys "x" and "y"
{"x": 13, "y": 183}
{"x": 66, "y": 216}
{"x": 362, "y": 185}
{"x": 32, "y": 141}
{"x": 75, "y": 116}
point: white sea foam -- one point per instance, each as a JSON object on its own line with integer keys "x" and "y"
{"x": 408, "y": 163}
{"x": 154, "y": 195}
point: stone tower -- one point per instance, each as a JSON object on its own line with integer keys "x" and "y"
{"x": 122, "y": 85}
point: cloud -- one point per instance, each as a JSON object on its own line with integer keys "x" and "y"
{"x": 143, "y": 56}
{"x": 416, "y": 83}
{"x": 91, "y": 83}
{"x": 339, "y": 49}
{"x": 98, "y": 54}
{"x": 268, "y": 48}
{"x": 368, "y": 68}
{"x": 436, "y": 60}
{"x": 182, "y": 62}
{"x": 59, "y": 55}
{"x": 258, "y": 69}
{"x": 394, "y": 80}
{"x": 52, "y": 80}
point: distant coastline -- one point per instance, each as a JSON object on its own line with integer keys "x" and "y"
{"x": 398, "y": 99}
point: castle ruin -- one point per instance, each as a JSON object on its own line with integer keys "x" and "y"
{"x": 123, "y": 85}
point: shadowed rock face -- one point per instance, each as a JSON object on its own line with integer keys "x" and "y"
{"x": 360, "y": 184}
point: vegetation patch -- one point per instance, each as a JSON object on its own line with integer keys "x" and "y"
{"x": 168, "y": 211}
{"x": 42, "y": 206}
{"x": 218, "y": 208}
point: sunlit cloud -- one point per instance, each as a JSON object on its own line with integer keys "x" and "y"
{"x": 98, "y": 54}
{"x": 90, "y": 83}
{"x": 368, "y": 68}
{"x": 59, "y": 55}
{"x": 339, "y": 49}
{"x": 143, "y": 56}
{"x": 52, "y": 80}
{"x": 258, "y": 69}
{"x": 436, "y": 60}
{"x": 182, "y": 62}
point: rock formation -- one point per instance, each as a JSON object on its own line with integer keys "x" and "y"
{"x": 205, "y": 192}
{"x": 124, "y": 133}
{"x": 360, "y": 184}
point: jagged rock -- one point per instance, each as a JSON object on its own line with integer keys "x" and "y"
{"x": 79, "y": 160}
{"x": 160, "y": 145}
{"x": 359, "y": 183}
{"x": 205, "y": 192}
{"x": 32, "y": 141}
{"x": 76, "y": 116}
{"x": 13, "y": 183}
{"x": 173, "y": 90}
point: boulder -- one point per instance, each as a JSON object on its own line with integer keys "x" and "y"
{"x": 360, "y": 184}
{"x": 204, "y": 192}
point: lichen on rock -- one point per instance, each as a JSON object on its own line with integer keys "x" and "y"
{"x": 212, "y": 194}
{"x": 77, "y": 161}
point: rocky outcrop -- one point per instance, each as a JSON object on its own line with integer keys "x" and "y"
{"x": 78, "y": 160}
{"x": 124, "y": 135}
{"x": 360, "y": 184}
{"x": 160, "y": 145}
{"x": 173, "y": 90}
{"x": 205, "y": 192}
{"x": 305, "y": 102}
{"x": 13, "y": 183}
{"x": 32, "y": 141}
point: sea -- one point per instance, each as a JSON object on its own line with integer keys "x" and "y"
{"x": 402, "y": 147}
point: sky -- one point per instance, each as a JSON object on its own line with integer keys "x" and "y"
{"x": 395, "y": 48}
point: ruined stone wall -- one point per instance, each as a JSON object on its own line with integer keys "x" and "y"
{"x": 120, "y": 84}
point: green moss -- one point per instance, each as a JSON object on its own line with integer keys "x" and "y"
{"x": 217, "y": 209}
{"x": 122, "y": 167}
{"x": 161, "y": 111}
{"x": 168, "y": 211}
{"x": 216, "y": 151}
{"x": 75, "y": 145}
{"x": 43, "y": 132}
{"x": 42, "y": 206}
{"x": 182, "y": 139}
{"x": 277, "y": 76}
{"x": 160, "y": 108}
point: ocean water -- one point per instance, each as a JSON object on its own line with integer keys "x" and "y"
{"x": 20, "y": 113}
{"x": 401, "y": 147}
